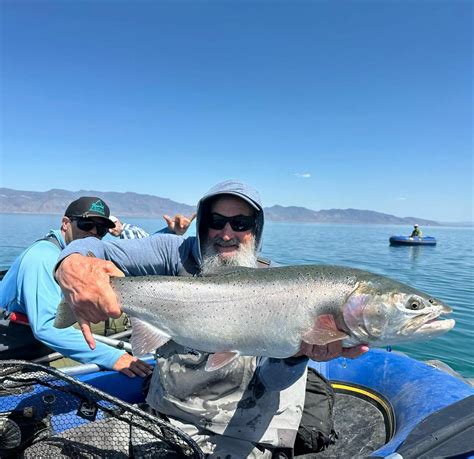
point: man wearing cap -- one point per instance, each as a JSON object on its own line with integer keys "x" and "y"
{"x": 416, "y": 231}
{"x": 250, "y": 407}
{"x": 29, "y": 296}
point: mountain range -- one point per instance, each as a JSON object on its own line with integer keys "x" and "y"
{"x": 131, "y": 204}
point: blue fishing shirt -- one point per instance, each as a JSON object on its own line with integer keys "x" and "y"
{"x": 30, "y": 288}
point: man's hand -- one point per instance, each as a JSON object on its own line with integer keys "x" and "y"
{"x": 330, "y": 351}
{"x": 85, "y": 282}
{"x": 179, "y": 223}
{"x": 131, "y": 366}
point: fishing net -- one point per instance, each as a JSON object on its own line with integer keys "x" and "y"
{"x": 47, "y": 414}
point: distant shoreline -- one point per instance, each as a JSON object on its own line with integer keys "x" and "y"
{"x": 136, "y": 205}
{"x": 310, "y": 222}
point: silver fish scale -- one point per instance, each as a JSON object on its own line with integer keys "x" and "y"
{"x": 256, "y": 312}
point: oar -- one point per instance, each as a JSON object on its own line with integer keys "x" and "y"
{"x": 118, "y": 344}
{"x": 112, "y": 341}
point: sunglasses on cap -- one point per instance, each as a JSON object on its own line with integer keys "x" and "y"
{"x": 84, "y": 224}
{"x": 237, "y": 223}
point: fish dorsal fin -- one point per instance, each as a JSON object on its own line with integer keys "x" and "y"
{"x": 324, "y": 331}
{"x": 219, "y": 360}
{"x": 227, "y": 270}
{"x": 146, "y": 338}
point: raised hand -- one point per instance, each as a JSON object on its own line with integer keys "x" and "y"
{"x": 179, "y": 223}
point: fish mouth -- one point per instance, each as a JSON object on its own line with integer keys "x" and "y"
{"x": 446, "y": 309}
{"x": 436, "y": 325}
{"x": 431, "y": 323}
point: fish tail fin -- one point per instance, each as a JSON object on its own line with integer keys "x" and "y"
{"x": 65, "y": 316}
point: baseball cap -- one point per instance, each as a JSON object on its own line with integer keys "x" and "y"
{"x": 113, "y": 218}
{"x": 88, "y": 207}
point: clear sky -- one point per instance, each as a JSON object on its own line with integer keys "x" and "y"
{"x": 321, "y": 104}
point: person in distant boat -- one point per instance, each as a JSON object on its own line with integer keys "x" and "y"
{"x": 251, "y": 407}
{"x": 29, "y": 297}
{"x": 416, "y": 231}
{"x": 176, "y": 225}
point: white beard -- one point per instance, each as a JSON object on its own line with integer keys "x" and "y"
{"x": 245, "y": 256}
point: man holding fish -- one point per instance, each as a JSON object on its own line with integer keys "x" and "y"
{"x": 246, "y": 408}
{"x": 227, "y": 374}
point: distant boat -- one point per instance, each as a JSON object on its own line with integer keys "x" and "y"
{"x": 408, "y": 240}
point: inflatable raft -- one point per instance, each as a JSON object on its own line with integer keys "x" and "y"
{"x": 386, "y": 403}
{"x": 408, "y": 240}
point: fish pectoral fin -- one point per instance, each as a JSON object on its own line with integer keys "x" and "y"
{"x": 324, "y": 331}
{"x": 219, "y": 360}
{"x": 146, "y": 338}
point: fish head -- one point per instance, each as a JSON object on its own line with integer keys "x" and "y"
{"x": 381, "y": 315}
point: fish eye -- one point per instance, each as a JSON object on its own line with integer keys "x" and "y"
{"x": 431, "y": 301}
{"x": 415, "y": 305}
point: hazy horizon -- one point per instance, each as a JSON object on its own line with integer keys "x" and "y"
{"x": 99, "y": 192}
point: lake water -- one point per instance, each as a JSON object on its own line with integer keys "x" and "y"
{"x": 445, "y": 271}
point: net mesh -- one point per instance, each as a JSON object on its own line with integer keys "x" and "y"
{"x": 45, "y": 413}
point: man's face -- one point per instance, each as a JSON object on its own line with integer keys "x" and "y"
{"x": 227, "y": 246}
{"x": 226, "y": 241}
{"x": 90, "y": 227}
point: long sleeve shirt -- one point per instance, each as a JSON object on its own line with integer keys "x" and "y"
{"x": 30, "y": 288}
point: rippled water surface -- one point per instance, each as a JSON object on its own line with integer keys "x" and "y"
{"x": 445, "y": 271}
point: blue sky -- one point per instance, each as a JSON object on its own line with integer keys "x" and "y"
{"x": 321, "y": 104}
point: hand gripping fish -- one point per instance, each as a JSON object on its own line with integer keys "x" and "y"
{"x": 269, "y": 312}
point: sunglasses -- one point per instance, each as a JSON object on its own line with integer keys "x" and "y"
{"x": 87, "y": 225}
{"x": 237, "y": 223}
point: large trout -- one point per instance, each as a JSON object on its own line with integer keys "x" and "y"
{"x": 269, "y": 312}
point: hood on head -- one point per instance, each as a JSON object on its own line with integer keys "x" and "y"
{"x": 235, "y": 188}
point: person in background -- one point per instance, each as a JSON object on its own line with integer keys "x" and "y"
{"x": 251, "y": 407}
{"x": 126, "y": 230}
{"x": 416, "y": 231}
{"x": 29, "y": 297}
{"x": 176, "y": 225}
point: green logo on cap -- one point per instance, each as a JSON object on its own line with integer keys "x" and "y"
{"x": 98, "y": 207}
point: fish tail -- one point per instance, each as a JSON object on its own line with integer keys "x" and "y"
{"x": 65, "y": 317}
